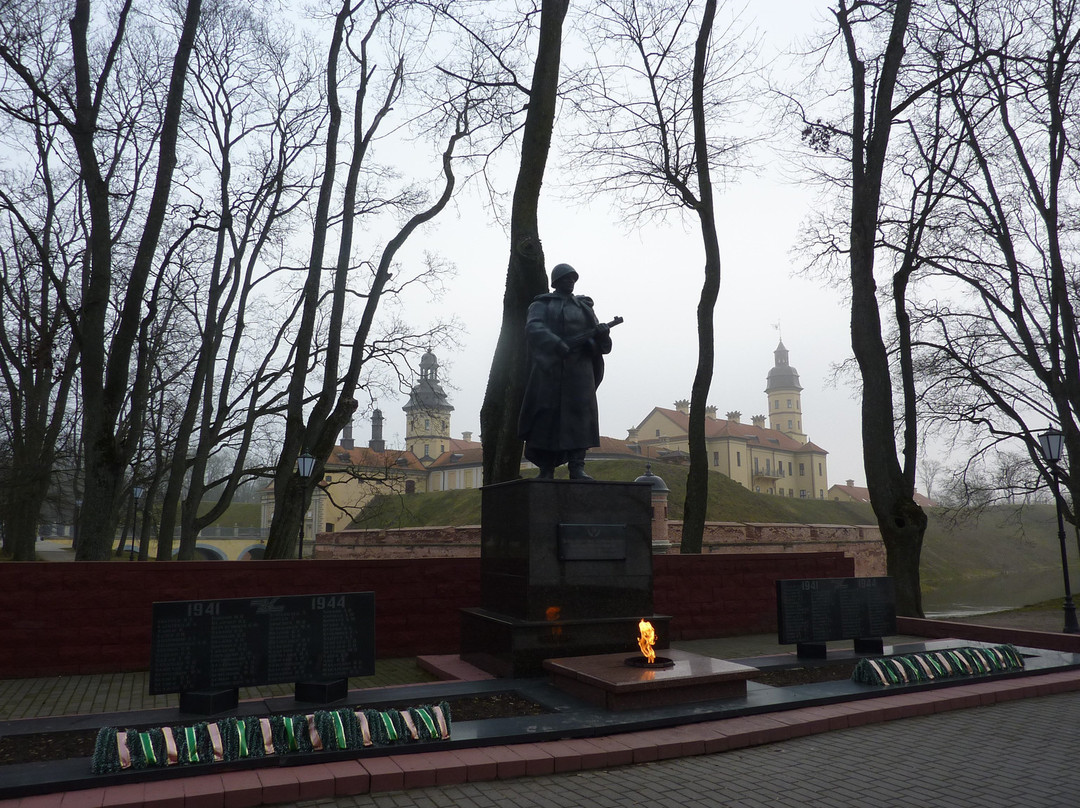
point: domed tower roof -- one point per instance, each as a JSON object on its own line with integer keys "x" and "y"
{"x": 427, "y": 393}
{"x": 782, "y": 376}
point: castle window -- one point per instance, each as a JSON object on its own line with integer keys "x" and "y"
{"x": 802, "y": 493}
{"x": 776, "y": 404}
{"x": 716, "y": 458}
{"x": 789, "y": 403}
{"x": 410, "y": 486}
{"x": 802, "y": 471}
{"x": 789, "y": 471}
{"x": 755, "y": 465}
{"x": 658, "y": 433}
{"x": 427, "y": 424}
{"x": 819, "y": 468}
{"x": 738, "y": 459}
{"x": 821, "y": 493}
{"x": 427, "y": 450}
{"x": 789, "y": 423}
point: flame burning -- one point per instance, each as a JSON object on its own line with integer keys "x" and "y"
{"x": 551, "y": 614}
{"x": 647, "y": 640}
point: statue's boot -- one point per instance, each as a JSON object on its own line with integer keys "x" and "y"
{"x": 546, "y": 473}
{"x": 577, "y": 470}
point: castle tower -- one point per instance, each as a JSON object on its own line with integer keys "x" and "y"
{"x": 427, "y": 415}
{"x": 785, "y": 396}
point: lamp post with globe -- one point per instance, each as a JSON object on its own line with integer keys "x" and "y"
{"x": 305, "y": 464}
{"x": 1050, "y": 443}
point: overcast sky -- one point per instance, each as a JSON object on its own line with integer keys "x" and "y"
{"x": 652, "y": 278}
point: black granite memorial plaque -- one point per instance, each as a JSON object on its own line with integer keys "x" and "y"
{"x": 566, "y": 570}
{"x": 814, "y": 611}
{"x": 581, "y": 548}
{"x": 213, "y": 645}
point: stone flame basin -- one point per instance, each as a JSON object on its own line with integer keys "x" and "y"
{"x": 607, "y": 681}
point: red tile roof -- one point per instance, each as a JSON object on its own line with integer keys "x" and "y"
{"x": 723, "y": 428}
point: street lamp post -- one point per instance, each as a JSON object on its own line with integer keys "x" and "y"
{"x": 1050, "y": 443}
{"x": 136, "y": 495}
{"x": 305, "y": 464}
{"x": 75, "y": 527}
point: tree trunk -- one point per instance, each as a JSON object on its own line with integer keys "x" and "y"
{"x": 697, "y": 480}
{"x": 525, "y": 275}
{"x": 107, "y": 385}
{"x": 901, "y": 521}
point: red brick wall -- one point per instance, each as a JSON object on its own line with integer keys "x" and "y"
{"x": 95, "y": 617}
{"x": 62, "y": 618}
{"x": 728, "y": 595}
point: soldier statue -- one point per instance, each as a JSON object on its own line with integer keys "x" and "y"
{"x": 566, "y": 347}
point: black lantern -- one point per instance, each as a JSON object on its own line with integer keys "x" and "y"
{"x": 136, "y": 495}
{"x": 305, "y": 464}
{"x": 1050, "y": 444}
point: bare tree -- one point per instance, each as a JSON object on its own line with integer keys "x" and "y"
{"x": 660, "y": 102}
{"x": 526, "y": 276}
{"x": 314, "y": 418}
{"x": 113, "y": 381}
{"x": 37, "y": 355}
{"x": 999, "y": 348}
{"x": 873, "y": 68}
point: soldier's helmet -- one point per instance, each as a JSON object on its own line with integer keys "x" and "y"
{"x": 561, "y": 271}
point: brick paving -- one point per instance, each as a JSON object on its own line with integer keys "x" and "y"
{"x": 1015, "y": 754}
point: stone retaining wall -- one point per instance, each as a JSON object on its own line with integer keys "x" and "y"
{"x": 861, "y": 542}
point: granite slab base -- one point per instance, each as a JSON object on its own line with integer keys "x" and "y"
{"x": 509, "y": 647}
{"x": 608, "y": 681}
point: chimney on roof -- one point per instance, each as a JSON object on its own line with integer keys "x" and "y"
{"x": 377, "y": 444}
{"x": 346, "y": 436}
{"x": 683, "y": 406}
{"x": 735, "y": 417}
{"x": 467, "y": 437}
{"x": 710, "y": 412}
{"x": 850, "y": 483}
{"x": 632, "y": 434}
{"x": 758, "y": 421}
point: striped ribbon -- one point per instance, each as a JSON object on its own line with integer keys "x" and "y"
{"x": 313, "y": 734}
{"x": 339, "y": 730}
{"x": 192, "y": 744}
{"x": 267, "y": 735}
{"x": 389, "y": 726}
{"x": 147, "y": 748}
{"x": 171, "y": 755}
{"x": 409, "y": 724}
{"x": 122, "y": 750}
{"x": 241, "y": 738}
{"x": 423, "y": 715}
{"x": 444, "y": 731}
{"x": 365, "y": 729}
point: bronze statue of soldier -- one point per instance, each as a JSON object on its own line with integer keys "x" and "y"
{"x": 566, "y": 346}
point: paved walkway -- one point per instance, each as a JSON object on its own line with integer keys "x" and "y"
{"x": 1011, "y": 755}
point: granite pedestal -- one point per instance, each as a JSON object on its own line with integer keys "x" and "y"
{"x": 566, "y": 570}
